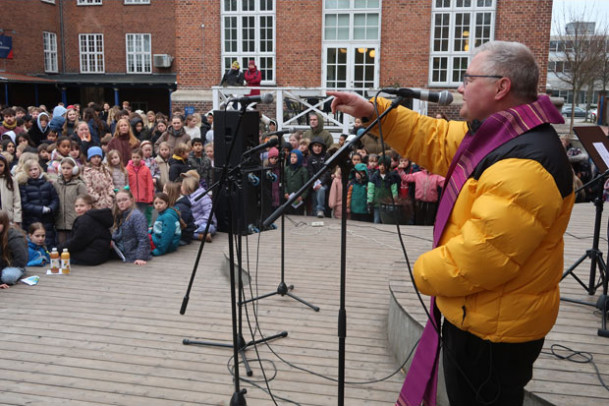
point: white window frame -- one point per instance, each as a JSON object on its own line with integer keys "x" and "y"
{"x": 48, "y": 1}
{"x": 49, "y": 45}
{"x": 454, "y": 61}
{"x": 136, "y": 2}
{"x": 144, "y": 56}
{"x": 346, "y": 10}
{"x": 265, "y": 58}
{"x": 95, "y": 53}
{"x": 88, "y": 2}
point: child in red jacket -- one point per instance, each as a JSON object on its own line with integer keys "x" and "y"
{"x": 140, "y": 183}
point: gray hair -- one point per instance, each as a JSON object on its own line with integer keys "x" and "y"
{"x": 514, "y": 61}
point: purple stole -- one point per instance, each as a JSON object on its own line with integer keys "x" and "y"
{"x": 421, "y": 381}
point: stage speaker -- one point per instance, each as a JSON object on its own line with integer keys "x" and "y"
{"x": 240, "y": 128}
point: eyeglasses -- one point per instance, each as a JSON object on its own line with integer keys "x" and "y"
{"x": 467, "y": 78}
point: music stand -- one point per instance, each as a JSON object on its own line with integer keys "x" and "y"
{"x": 596, "y": 143}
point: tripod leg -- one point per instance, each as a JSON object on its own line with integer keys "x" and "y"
{"x": 304, "y": 302}
{"x": 246, "y": 364}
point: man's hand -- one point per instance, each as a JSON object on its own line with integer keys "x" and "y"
{"x": 352, "y": 104}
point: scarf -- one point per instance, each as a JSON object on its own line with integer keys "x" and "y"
{"x": 422, "y": 379}
{"x": 9, "y": 127}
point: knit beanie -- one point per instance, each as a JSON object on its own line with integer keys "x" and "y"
{"x": 94, "y": 151}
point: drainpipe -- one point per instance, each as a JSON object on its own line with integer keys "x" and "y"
{"x": 63, "y": 40}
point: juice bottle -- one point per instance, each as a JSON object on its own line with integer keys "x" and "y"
{"x": 55, "y": 261}
{"x": 65, "y": 261}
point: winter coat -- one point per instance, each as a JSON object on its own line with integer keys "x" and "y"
{"x": 201, "y": 208}
{"x": 335, "y": 199}
{"x": 10, "y": 200}
{"x": 184, "y": 207}
{"x": 177, "y": 166}
{"x": 35, "y": 195}
{"x": 131, "y": 236}
{"x": 89, "y": 242}
{"x": 383, "y": 189}
{"x": 319, "y": 132}
{"x": 172, "y": 138}
{"x": 123, "y": 145}
{"x": 166, "y": 232}
{"x": 203, "y": 167}
{"x": 99, "y": 186}
{"x": 140, "y": 182}
{"x": 497, "y": 265}
{"x": 233, "y": 77}
{"x": 142, "y": 135}
{"x": 68, "y": 192}
{"x": 253, "y": 77}
{"x": 316, "y": 161}
{"x": 17, "y": 246}
{"x": 163, "y": 172}
{"x": 358, "y": 190}
{"x": 426, "y": 185}
{"x": 38, "y": 133}
{"x": 120, "y": 177}
{"x": 37, "y": 255}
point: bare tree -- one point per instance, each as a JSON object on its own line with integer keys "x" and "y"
{"x": 578, "y": 49}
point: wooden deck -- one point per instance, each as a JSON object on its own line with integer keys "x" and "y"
{"x": 112, "y": 335}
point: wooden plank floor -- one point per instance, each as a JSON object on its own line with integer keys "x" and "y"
{"x": 112, "y": 335}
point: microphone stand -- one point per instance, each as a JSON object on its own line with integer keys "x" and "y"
{"x": 283, "y": 289}
{"x": 229, "y": 182}
{"x": 337, "y": 159}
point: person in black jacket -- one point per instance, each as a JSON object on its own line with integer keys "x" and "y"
{"x": 178, "y": 163}
{"x": 180, "y": 201}
{"x": 13, "y": 252}
{"x": 39, "y": 200}
{"x": 316, "y": 161}
{"x": 89, "y": 242}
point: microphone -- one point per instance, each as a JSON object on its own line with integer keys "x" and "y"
{"x": 282, "y": 132}
{"x": 443, "y": 98}
{"x": 270, "y": 143}
{"x": 266, "y": 98}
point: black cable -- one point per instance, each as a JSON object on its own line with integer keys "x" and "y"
{"x": 579, "y": 357}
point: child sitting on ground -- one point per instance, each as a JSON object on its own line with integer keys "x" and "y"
{"x": 13, "y": 253}
{"x": 166, "y": 231}
{"x": 38, "y": 255}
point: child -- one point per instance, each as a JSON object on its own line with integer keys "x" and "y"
{"x": 162, "y": 160}
{"x": 201, "y": 205}
{"x": 209, "y": 152}
{"x": 150, "y": 162}
{"x": 76, "y": 153}
{"x": 182, "y": 204}
{"x": 130, "y": 235}
{"x": 166, "y": 231}
{"x": 38, "y": 255}
{"x": 295, "y": 177}
{"x": 120, "y": 177}
{"x": 272, "y": 165}
{"x": 89, "y": 243}
{"x": 62, "y": 150}
{"x": 43, "y": 156}
{"x": 373, "y": 163}
{"x": 426, "y": 195}
{"x": 68, "y": 187}
{"x": 104, "y": 145}
{"x": 382, "y": 187}
{"x": 357, "y": 195}
{"x": 13, "y": 253}
{"x": 198, "y": 161}
{"x": 178, "y": 163}
{"x": 39, "y": 200}
{"x": 10, "y": 198}
{"x": 123, "y": 141}
{"x": 356, "y": 158}
{"x": 98, "y": 180}
{"x": 140, "y": 183}
{"x": 315, "y": 161}
{"x": 335, "y": 199}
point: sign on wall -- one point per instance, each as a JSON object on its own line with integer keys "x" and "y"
{"x": 6, "y": 47}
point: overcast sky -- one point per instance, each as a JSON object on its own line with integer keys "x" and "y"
{"x": 595, "y": 10}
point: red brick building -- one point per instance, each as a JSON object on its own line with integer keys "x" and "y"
{"x": 119, "y": 49}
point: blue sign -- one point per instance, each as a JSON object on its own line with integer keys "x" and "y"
{"x": 189, "y": 110}
{"x": 6, "y": 47}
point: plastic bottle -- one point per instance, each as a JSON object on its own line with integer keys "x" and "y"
{"x": 55, "y": 261}
{"x": 65, "y": 261}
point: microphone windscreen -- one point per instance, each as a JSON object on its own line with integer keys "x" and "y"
{"x": 445, "y": 98}
{"x": 267, "y": 98}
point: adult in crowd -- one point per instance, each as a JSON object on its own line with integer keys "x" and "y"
{"x": 174, "y": 135}
{"x": 233, "y": 76}
{"x": 253, "y": 77}
{"x": 317, "y": 130}
{"x": 498, "y": 238}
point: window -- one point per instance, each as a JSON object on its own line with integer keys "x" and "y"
{"x": 91, "y": 53}
{"x": 248, "y": 33}
{"x": 458, "y": 26}
{"x": 88, "y": 2}
{"x": 351, "y": 39}
{"x": 50, "y": 51}
{"x": 137, "y": 1}
{"x": 48, "y": 1}
{"x": 138, "y": 53}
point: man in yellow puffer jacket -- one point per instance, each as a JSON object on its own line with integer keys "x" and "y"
{"x": 498, "y": 251}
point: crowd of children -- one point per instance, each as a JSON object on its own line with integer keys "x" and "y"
{"x": 95, "y": 186}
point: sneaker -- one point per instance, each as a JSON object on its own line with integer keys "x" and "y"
{"x": 320, "y": 214}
